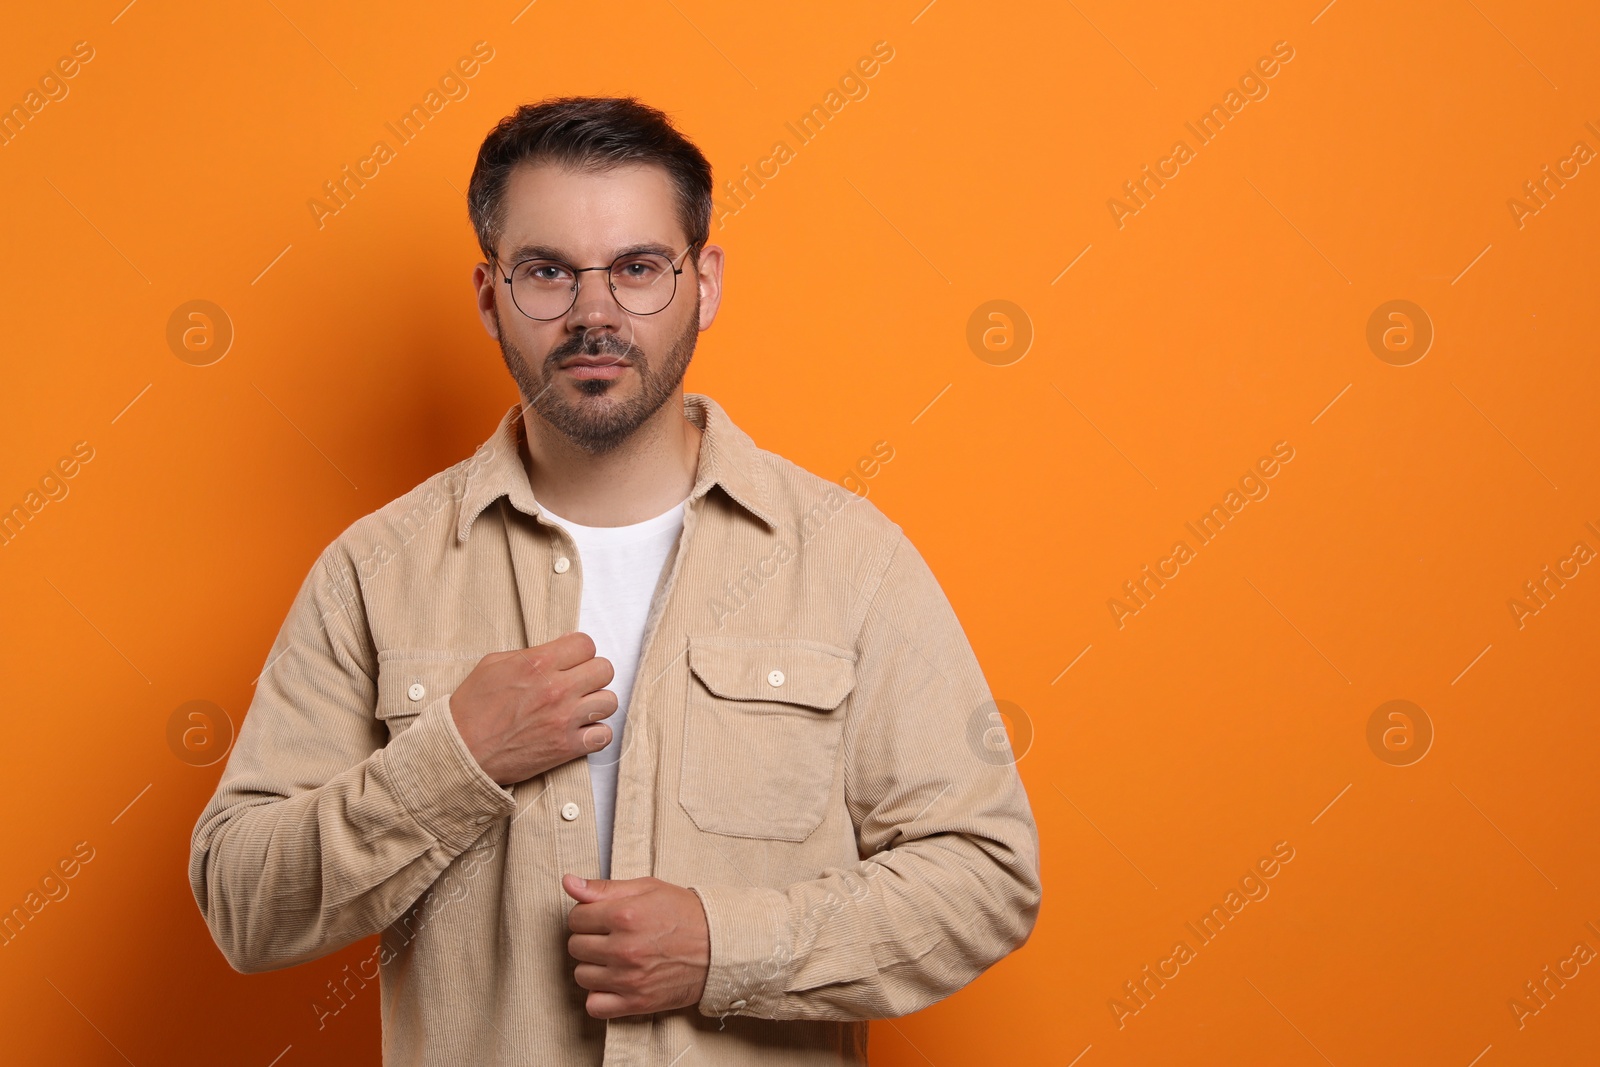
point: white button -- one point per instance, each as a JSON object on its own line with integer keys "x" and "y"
{"x": 416, "y": 692}
{"x": 562, "y": 563}
{"x": 737, "y": 1005}
{"x": 569, "y": 811}
{"x": 775, "y": 678}
{"x": 481, "y": 819}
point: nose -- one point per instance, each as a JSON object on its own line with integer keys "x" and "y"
{"x": 596, "y": 306}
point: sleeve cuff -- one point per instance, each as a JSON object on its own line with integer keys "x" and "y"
{"x": 440, "y": 783}
{"x": 751, "y": 948}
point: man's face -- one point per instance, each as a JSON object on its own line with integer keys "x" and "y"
{"x": 587, "y": 218}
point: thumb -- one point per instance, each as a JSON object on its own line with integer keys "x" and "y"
{"x": 584, "y": 890}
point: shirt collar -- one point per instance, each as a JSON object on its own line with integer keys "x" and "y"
{"x": 728, "y": 458}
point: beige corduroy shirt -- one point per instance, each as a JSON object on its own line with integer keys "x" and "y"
{"x": 811, "y": 747}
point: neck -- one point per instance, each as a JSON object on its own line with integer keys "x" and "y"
{"x": 651, "y": 471}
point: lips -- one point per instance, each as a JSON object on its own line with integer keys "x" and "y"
{"x": 594, "y": 361}
{"x": 588, "y": 367}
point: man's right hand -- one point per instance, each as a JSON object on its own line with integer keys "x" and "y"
{"x": 528, "y": 710}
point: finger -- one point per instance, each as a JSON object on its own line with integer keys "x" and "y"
{"x": 591, "y": 675}
{"x": 568, "y": 651}
{"x": 602, "y": 1005}
{"x": 592, "y": 948}
{"x": 592, "y": 976}
{"x": 592, "y": 891}
{"x": 588, "y": 919}
{"x": 598, "y": 705}
{"x": 595, "y": 736}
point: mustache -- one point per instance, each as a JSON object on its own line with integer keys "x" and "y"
{"x": 595, "y": 343}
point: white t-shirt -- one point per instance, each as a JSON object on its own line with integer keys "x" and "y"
{"x": 620, "y": 567}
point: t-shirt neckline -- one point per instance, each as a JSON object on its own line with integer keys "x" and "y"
{"x": 637, "y": 531}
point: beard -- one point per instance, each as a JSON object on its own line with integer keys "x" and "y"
{"x": 601, "y": 426}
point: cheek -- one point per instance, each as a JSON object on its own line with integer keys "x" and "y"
{"x": 515, "y": 341}
{"x": 682, "y": 338}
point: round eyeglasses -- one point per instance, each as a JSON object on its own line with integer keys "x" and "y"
{"x": 643, "y": 283}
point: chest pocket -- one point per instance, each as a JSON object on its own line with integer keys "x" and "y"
{"x": 410, "y": 680}
{"x": 762, "y": 728}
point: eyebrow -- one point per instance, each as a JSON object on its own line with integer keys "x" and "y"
{"x": 537, "y": 251}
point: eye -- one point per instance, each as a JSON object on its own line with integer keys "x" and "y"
{"x": 645, "y": 267}
{"x": 543, "y": 271}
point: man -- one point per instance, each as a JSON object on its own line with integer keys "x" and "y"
{"x": 638, "y": 744}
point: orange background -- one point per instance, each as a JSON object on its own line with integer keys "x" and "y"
{"x": 1226, "y": 315}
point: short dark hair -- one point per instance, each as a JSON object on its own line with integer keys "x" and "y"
{"x": 589, "y": 132}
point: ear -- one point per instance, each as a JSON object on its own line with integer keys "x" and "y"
{"x": 709, "y": 279}
{"x": 485, "y": 286}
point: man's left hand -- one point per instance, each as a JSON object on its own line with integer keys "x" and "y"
{"x": 642, "y": 945}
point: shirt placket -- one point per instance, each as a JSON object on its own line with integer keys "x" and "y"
{"x": 628, "y": 1040}
{"x": 548, "y": 574}
{"x": 549, "y": 580}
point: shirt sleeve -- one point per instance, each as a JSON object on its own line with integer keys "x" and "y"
{"x": 318, "y": 834}
{"x": 950, "y": 883}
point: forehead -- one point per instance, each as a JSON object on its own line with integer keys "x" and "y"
{"x": 590, "y": 214}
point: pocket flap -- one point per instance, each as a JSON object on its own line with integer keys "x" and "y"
{"x": 789, "y": 669}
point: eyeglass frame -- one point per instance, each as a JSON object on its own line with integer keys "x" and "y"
{"x": 577, "y": 282}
